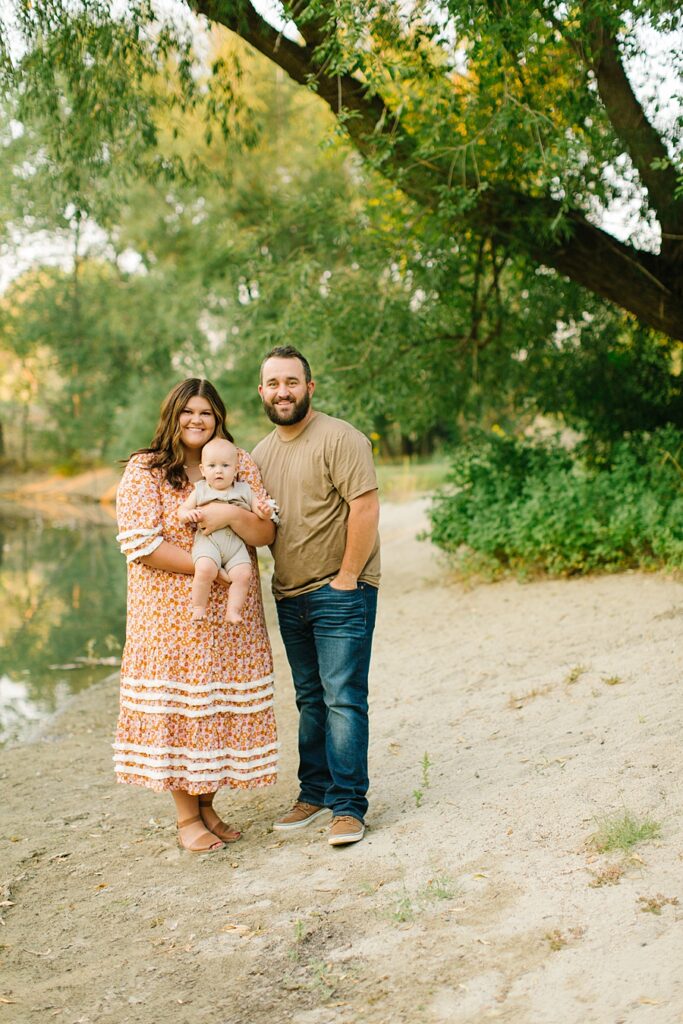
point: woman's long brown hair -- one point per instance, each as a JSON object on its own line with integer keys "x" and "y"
{"x": 166, "y": 447}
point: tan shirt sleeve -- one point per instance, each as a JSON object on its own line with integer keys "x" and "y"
{"x": 249, "y": 474}
{"x": 352, "y": 470}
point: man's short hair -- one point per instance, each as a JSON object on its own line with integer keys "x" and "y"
{"x": 287, "y": 352}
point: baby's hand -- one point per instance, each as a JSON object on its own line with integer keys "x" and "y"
{"x": 264, "y": 509}
{"x": 189, "y": 515}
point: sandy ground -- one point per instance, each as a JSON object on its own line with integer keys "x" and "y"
{"x": 476, "y": 895}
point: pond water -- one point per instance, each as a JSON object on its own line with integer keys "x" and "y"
{"x": 62, "y": 613}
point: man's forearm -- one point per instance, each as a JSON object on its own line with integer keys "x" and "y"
{"x": 251, "y": 529}
{"x": 361, "y": 534}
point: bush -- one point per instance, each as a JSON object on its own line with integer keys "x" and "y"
{"x": 517, "y": 506}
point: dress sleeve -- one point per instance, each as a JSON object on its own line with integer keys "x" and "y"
{"x": 138, "y": 510}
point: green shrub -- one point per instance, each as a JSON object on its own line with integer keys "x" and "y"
{"x": 518, "y": 506}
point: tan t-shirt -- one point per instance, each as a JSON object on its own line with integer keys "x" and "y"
{"x": 312, "y": 478}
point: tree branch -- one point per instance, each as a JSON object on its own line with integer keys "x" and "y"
{"x": 644, "y": 144}
{"x": 370, "y": 124}
{"x": 636, "y": 281}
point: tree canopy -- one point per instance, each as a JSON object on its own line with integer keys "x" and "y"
{"x": 518, "y": 139}
{"x": 418, "y": 204}
{"x": 519, "y": 121}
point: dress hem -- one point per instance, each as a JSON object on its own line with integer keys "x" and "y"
{"x": 176, "y": 785}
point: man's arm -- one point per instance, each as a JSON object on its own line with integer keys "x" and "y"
{"x": 246, "y": 525}
{"x": 361, "y": 533}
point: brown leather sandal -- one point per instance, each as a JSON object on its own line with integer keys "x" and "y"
{"x": 220, "y": 829}
{"x": 202, "y": 844}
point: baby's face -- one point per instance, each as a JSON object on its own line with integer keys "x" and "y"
{"x": 219, "y": 464}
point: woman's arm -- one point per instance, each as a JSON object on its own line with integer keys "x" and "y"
{"x": 140, "y": 518}
{"x": 246, "y": 525}
{"x": 187, "y": 509}
{"x": 169, "y": 558}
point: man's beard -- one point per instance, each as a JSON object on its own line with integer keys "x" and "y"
{"x": 296, "y": 413}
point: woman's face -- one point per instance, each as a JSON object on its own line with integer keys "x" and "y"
{"x": 197, "y": 423}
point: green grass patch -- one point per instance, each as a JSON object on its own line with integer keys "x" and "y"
{"x": 623, "y": 832}
{"x": 440, "y": 888}
{"x": 404, "y": 910}
{"x": 410, "y": 477}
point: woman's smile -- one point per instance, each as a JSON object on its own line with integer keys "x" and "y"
{"x": 197, "y": 423}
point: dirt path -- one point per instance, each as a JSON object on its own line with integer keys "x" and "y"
{"x": 474, "y": 897}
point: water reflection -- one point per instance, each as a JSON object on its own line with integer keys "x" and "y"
{"x": 62, "y": 603}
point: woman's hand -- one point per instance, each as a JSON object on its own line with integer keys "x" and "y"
{"x": 215, "y": 516}
{"x": 189, "y": 515}
{"x": 248, "y": 527}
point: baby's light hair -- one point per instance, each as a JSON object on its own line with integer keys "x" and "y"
{"x": 217, "y": 440}
{"x": 203, "y": 459}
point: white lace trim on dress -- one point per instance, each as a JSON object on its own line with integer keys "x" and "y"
{"x": 171, "y": 684}
{"x": 139, "y": 748}
{"x": 136, "y": 543}
{"x": 215, "y": 709}
{"x": 138, "y": 532}
{"x": 182, "y": 762}
{"x": 149, "y": 697}
{"x": 205, "y": 777}
{"x": 146, "y": 551}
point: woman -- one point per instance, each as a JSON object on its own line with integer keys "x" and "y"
{"x": 196, "y": 707}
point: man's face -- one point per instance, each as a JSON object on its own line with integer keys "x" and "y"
{"x": 285, "y": 394}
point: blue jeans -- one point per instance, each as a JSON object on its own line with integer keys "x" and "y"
{"x": 328, "y": 637}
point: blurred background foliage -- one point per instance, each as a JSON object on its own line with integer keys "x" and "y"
{"x": 198, "y": 207}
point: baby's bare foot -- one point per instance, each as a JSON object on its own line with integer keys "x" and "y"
{"x": 198, "y": 614}
{"x": 233, "y": 617}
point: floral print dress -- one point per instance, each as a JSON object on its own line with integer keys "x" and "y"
{"x": 196, "y": 709}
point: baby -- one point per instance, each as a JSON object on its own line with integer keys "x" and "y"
{"x": 222, "y": 551}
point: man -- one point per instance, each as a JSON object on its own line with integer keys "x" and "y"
{"x": 320, "y": 472}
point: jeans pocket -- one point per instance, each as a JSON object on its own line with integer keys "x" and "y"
{"x": 337, "y": 590}
{"x": 340, "y": 612}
